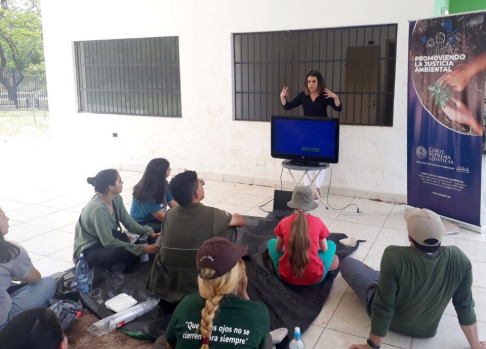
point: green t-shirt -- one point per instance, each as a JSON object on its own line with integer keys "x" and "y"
{"x": 239, "y": 323}
{"x": 184, "y": 230}
{"x": 414, "y": 289}
{"x": 99, "y": 224}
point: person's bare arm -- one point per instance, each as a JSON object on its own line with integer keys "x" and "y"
{"x": 323, "y": 245}
{"x": 159, "y": 215}
{"x": 172, "y": 203}
{"x": 471, "y": 333}
{"x": 33, "y": 277}
{"x": 237, "y": 220}
{"x": 280, "y": 245}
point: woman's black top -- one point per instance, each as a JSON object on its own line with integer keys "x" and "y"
{"x": 316, "y": 108}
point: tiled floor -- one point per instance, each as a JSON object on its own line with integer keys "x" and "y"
{"x": 44, "y": 211}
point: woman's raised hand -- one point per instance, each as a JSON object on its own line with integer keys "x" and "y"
{"x": 329, "y": 94}
{"x": 285, "y": 92}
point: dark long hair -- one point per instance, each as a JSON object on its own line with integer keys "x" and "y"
{"x": 36, "y": 328}
{"x": 320, "y": 82}
{"x": 103, "y": 180}
{"x": 153, "y": 184}
{"x": 8, "y": 251}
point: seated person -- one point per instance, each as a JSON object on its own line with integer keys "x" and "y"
{"x": 415, "y": 284}
{"x": 36, "y": 328}
{"x": 15, "y": 265}
{"x": 152, "y": 195}
{"x": 98, "y": 233}
{"x": 301, "y": 253}
{"x": 185, "y": 229}
{"x": 222, "y": 302}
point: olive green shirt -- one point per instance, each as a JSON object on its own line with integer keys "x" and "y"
{"x": 184, "y": 230}
{"x": 99, "y": 223}
{"x": 415, "y": 288}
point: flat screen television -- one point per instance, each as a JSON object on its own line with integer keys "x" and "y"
{"x": 305, "y": 139}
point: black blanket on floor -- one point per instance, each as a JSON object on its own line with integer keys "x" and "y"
{"x": 289, "y": 306}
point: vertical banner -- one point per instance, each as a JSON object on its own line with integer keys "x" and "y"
{"x": 446, "y": 81}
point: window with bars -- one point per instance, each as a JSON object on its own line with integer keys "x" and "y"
{"x": 358, "y": 64}
{"x": 129, "y": 76}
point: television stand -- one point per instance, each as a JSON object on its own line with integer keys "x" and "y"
{"x": 306, "y": 166}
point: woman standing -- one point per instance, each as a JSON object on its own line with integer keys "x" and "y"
{"x": 98, "y": 233}
{"x": 152, "y": 195}
{"x": 314, "y": 100}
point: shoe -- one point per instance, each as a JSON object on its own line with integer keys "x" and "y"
{"x": 279, "y": 335}
{"x": 334, "y": 264}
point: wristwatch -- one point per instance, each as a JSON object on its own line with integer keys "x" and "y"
{"x": 372, "y": 344}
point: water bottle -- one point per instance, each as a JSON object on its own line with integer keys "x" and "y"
{"x": 82, "y": 275}
{"x": 297, "y": 342}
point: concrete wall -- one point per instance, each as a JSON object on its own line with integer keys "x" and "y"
{"x": 372, "y": 159}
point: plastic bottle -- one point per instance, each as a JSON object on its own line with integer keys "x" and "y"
{"x": 106, "y": 325}
{"x": 297, "y": 342}
{"x": 82, "y": 275}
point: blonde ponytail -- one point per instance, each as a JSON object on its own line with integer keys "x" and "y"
{"x": 213, "y": 291}
{"x": 299, "y": 245}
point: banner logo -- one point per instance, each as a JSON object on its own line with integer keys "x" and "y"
{"x": 421, "y": 152}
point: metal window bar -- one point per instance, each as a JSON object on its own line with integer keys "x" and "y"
{"x": 129, "y": 76}
{"x": 288, "y": 55}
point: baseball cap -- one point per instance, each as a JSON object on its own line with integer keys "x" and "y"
{"x": 220, "y": 255}
{"x": 425, "y": 228}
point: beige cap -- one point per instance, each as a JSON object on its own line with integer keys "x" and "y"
{"x": 426, "y": 229}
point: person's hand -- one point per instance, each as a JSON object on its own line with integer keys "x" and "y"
{"x": 285, "y": 92}
{"x": 151, "y": 249}
{"x": 359, "y": 346}
{"x": 481, "y": 345}
{"x": 241, "y": 292}
{"x": 458, "y": 78}
{"x": 155, "y": 235}
{"x": 462, "y": 115}
{"x": 329, "y": 94}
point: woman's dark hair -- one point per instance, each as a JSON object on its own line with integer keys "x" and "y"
{"x": 320, "y": 82}
{"x": 8, "y": 251}
{"x": 103, "y": 180}
{"x": 36, "y": 328}
{"x": 183, "y": 186}
{"x": 153, "y": 184}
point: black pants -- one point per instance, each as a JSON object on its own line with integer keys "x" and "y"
{"x": 105, "y": 257}
{"x": 155, "y": 225}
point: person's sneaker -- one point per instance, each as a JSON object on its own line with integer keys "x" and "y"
{"x": 279, "y": 335}
{"x": 118, "y": 268}
{"x": 334, "y": 264}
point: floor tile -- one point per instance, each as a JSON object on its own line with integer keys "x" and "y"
{"x": 232, "y": 208}
{"x": 128, "y": 174}
{"x": 359, "y": 231}
{"x": 34, "y": 256}
{"x": 351, "y": 317}
{"x": 362, "y": 251}
{"x": 369, "y": 217}
{"x": 56, "y": 220}
{"x": 396, "y": 221}
{"x": 209, "y": 183}
{"x": 322, "y": 212}
{"x": 9, "y": 206}
{"x": 216, "y": 195}
{"x": 25, "y": 231}
{"x": 479, "y": 295}
{"x": 395, "y": 237}
{"x": 230, "y": 187}
{"x": 479, "y": 274}
{"x": 65, "y": 202}
{"x": 65, "y": 254}
{"x": 340, "y": 284}
{"x": 334, "y": 339}
{"x": 473, "y": 249}
{"x": 49, "y": 243}
{"x": 12, "y": 223}
{"x": 79, "y": 208}
{"x": 311, "y": 336}
{"x": 259, "y": 190}
{"x": 329, "y": 307}
{"x": 31, "y": 212}
{"x": 373, "y": 205}
{"x": 449, "y": 336}
{"x": 256, "y": 212}
{"x": 48, "y": 266}
{"x": 466, "y": 234}
{"x": 373, "y": 259}
{"x": 399, "y": 208}
{"x": 246, "y": 200}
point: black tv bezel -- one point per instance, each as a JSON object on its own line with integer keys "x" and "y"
{"x": 333, "y": 160}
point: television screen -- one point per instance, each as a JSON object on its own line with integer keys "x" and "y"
{"x": 306, "y": 139}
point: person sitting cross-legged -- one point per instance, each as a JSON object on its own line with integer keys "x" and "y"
{"x": 415, "y": 284}
{"x": 184, "y": 230}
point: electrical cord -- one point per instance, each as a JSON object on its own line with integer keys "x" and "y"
{"x": 266, "y": 203}
{"x": 327, "y": 199}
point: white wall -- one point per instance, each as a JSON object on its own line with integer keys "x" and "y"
{"x": 372, "y": 159}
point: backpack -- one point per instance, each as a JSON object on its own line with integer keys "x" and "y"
{"x": 66, "y": 311}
